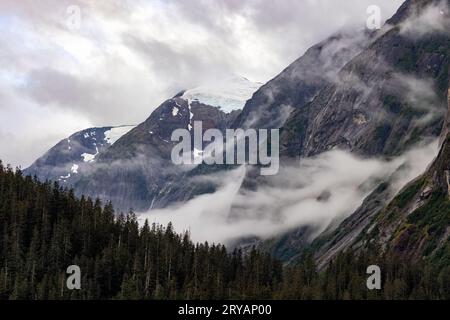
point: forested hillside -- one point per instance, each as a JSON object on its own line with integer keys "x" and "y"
{"x": 45, "y": 228}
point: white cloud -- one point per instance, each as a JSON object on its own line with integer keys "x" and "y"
{"x": 318, "y": 192}
{"x": 34, "y": 129}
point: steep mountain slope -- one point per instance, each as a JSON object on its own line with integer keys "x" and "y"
{"x": 416, "y": 223}
{"x": 388, "y": 98}
{"x": 384, "y": 100}
{"x": 301, "y": 81}
{"x": 335, "y": 240}
{"x": 67, "y": 159}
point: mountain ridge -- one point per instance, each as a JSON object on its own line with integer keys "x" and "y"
{"x": 131, "y": 169}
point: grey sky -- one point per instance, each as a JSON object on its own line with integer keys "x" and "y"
{"x": 129, "y": 56}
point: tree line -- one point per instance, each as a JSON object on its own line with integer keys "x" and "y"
{"x": 45, "y": 228}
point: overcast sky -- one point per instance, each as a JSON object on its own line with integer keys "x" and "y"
{"x": 127, "y": 56}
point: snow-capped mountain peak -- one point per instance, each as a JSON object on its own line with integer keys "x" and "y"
{"x": 229, "y": 94}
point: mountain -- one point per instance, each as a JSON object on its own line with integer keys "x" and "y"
{"x": 414, "y": 224}
{"x": 132, "y": 172}
{"x": 416, "y": 199}
{"x": 383, "y": 101}
{"x": 365, "y": 92}
{"x": 132, "y": 168}
{"x": 387, "y": 99}
{"x": 140, "y": 154}
{"x": 71, "y": 156}
{"x": 301, "y": 81}
{"x": 271, "y": 105}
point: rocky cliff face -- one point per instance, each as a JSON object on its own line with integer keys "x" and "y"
{"x": 414, "y": 224}
{"x": 301, "y": 81}
{"x": 388, "y": 98}
{"x": 384, "y": 100}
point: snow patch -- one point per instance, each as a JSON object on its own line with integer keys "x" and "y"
{"x": 175, "y": 111}
{"x": 230, "y": 94}
{"x": 65, "y": 177}
{"x": 111, "y": 136}
{"x": 87, "y": 157}
{"x": 74, "y": 168}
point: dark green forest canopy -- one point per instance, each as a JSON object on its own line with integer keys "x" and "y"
{"x": 45, "y": 228}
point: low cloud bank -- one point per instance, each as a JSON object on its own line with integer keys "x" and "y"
{"x": 315, "y": 193}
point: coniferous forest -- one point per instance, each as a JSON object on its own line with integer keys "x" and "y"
{"x": 45, "y": 228}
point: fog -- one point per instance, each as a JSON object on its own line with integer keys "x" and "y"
{"x": 316, "y": 192}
